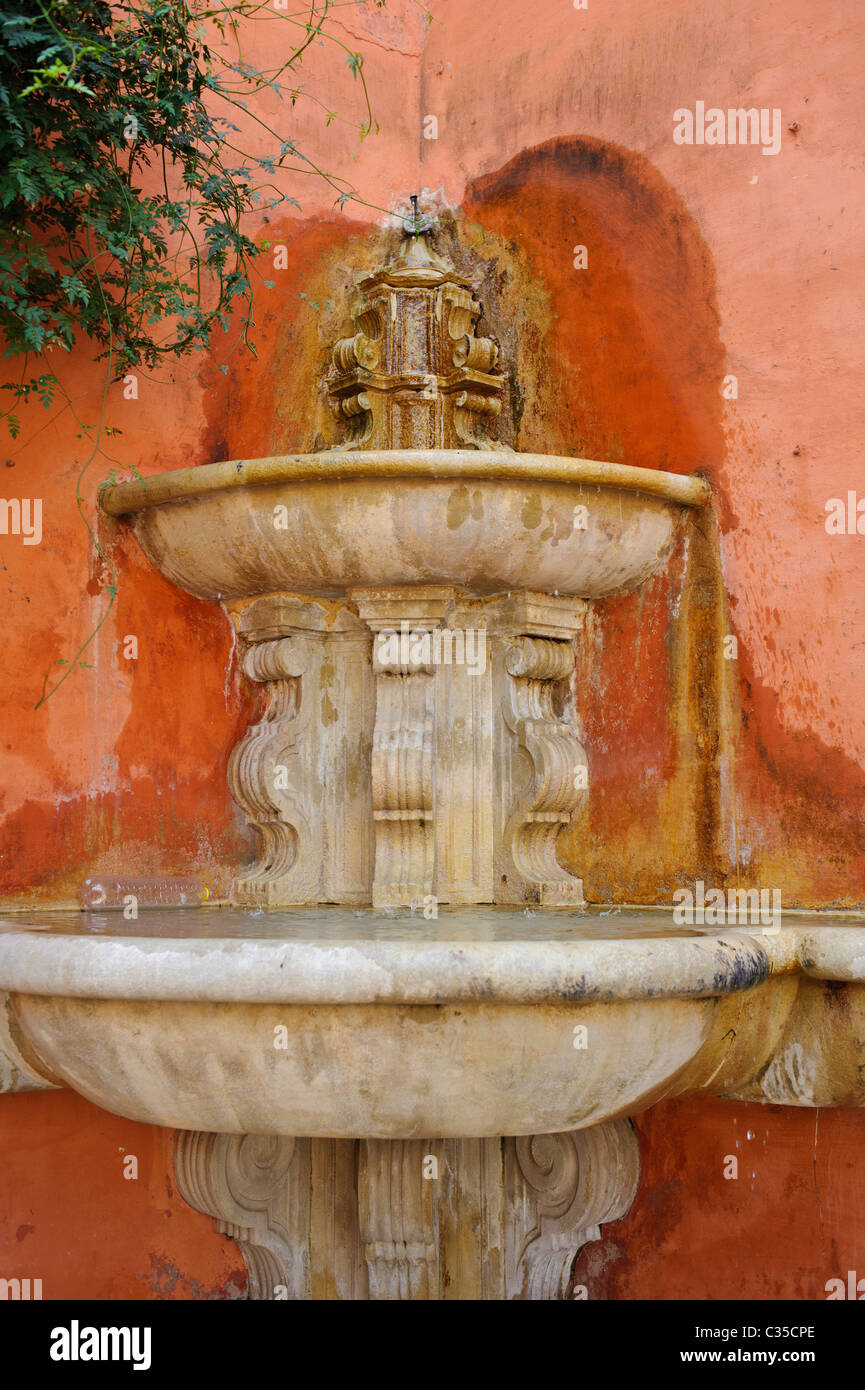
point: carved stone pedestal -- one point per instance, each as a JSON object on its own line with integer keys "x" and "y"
{"x": 411, "y": 1218}
{"x": 419, "y": 746}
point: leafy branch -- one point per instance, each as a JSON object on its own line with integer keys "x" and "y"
{"x": 123, "y": 190}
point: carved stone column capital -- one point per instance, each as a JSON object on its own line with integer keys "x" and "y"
{"x": 419, "y": 746}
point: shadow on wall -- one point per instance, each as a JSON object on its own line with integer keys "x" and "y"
{"x": 632, "y": 352}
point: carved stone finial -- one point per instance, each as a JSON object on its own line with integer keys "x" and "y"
{"x": 413, "y": 375}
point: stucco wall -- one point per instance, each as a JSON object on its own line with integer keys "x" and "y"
{"x": 554, "y": 129}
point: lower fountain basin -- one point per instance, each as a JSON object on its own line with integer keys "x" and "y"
{"x": 338, "y": 1023}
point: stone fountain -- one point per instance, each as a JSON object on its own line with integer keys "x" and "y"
{"x": 410, "y": 602}
{"x": 401, "y": 1061}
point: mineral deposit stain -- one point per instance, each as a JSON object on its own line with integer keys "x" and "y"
{"x": 532, "y": 513}
{"x": 459, "y": 507}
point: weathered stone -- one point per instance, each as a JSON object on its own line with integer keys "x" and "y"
{"x": 416, "y": 1218}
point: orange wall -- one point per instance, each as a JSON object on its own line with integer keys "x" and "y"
{"x": 794, "y": 1217}
{"x": 69, "y": 1217}
{"x": 702, "y": 261}
{"x": 782, "y": 232}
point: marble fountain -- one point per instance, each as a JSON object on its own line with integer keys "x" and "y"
{"x": 402, "y": 1059}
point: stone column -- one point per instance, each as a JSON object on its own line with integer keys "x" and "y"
{"x": 404, "y": 811}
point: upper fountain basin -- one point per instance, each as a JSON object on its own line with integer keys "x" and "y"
{"x": 322, "y": 524}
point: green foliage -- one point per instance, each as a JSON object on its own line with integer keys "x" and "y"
{"x": 123, "y": 187}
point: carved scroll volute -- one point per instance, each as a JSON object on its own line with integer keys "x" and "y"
{"x": 355, "y": 362}
{"x": 242, "y": 1181}
{"x": 468, "y": 408}
{"x": 358, "y": 351}
{"x": 572, "y": 1183}
{"x": 349, "y": 406}
{"x": 270, "y": 778}
{"x": 479, "y": 385}
{"x": 539, "y": 670}
{"x": 460, "y": 313}
{"x": 479, "y": 353}
{"x": 255, "y": 1167}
